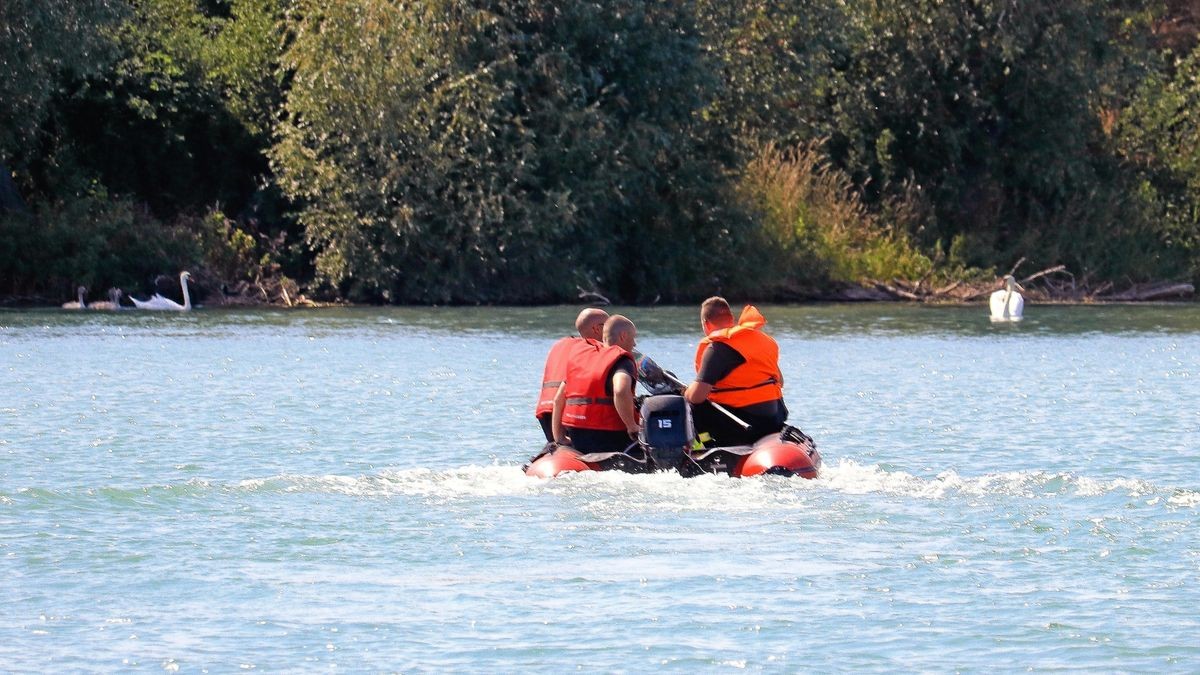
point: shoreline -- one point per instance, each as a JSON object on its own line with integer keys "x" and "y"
{"x": 978, "y": 293}
{"x": 1051, "y": 286}
{"x": 877, "y": 293}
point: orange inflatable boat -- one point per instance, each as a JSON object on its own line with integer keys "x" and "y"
{"x": 668, "y": 443}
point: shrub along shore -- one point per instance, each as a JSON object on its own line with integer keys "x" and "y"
{"x": 1058, "y": 291}
{"x": 297, "y": 152}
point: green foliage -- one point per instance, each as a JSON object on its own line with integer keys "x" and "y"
{"x": 486, "y": 151}
{"x": 1159, "y": 137}
{"x": 176, "y": 121}
{"x": 40, "y": 42}
{"x": 96, "y": 241}
{"x": 160, "y": 124}
{"x": 776, "y": 60}
{"x": 817, "y": 228}
{"x": 101, "y": 242}
{"x": 229, "y": 252}
{"x": 242, "y": 59}
{"x": 988, "y": 107}
{"x": 522, "y": 150}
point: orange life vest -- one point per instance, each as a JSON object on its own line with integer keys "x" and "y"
{"x": 589, "y": 406}
{"x": 555, "y": 372}
{"x": 758, "y": 379}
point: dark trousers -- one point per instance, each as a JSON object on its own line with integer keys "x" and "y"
{"x": 763, "y": 419}
{"x": 588, "y": 440}
{"x": 544, "y": 420}
{"x": 595, "y": 440}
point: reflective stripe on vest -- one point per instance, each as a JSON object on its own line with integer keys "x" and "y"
{"x": 583, "y": 400}
{"x": 555, "y": 372}
{"x": 758, "y": 379}
{"x": 589, "y": 406}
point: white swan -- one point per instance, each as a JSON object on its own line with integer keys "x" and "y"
{"x": 78, "y": 304}
{"x": 164, "y": 303}
{"x": 113, "y": 302}
{"x": 1006, "y": 303}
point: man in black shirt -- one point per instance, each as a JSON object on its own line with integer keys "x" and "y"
{"x": 737, "y": 365}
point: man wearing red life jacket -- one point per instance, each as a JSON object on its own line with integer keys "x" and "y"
{"x": 594, "y": 409}
{"x": 737, "y": 366}
{"x": 590, "y": 324}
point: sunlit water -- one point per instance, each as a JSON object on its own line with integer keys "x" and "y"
{"x": 341, "y": 490}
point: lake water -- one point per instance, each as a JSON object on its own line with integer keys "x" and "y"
{"x": 340, "y": 490}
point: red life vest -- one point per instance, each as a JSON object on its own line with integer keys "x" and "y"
{"x": 589, "y": 406}
{"x": 555, "y": 372}
{"x": 758, "y": 379}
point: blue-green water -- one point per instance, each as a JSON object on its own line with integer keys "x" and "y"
{"x": 341, "y": 490}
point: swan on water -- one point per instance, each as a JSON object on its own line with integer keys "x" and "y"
{"x": 113, "y": 303}
{"x": 164, "y": 303}
{"x": 1007, "y": 303}
{"x": 77, "y": 304}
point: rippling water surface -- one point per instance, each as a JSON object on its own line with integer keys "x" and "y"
{"x": 341, "y": 490}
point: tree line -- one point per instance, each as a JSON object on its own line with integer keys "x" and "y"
{"x": 522, "y": 151}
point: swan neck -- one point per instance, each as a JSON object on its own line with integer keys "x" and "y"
{"x": 187, "y": 298}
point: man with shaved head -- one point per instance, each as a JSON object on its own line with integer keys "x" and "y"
{"x": 590, "y": 325}
{"x": 737, "y": 366}
{"x": 594, "y": 408}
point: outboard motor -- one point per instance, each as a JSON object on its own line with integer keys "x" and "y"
{"x": 667, "y": 431}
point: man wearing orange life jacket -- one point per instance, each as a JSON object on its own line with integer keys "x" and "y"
{"x": 737, "y": 366}
{"x": 594, "y": 409}
{"x": 590, "y": 324}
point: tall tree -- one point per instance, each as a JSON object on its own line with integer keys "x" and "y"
{"x": 43, "y": 42}
{"x": 470, "y": 150}
{"x": 181, "y": 120}
{"x": 988, "y": 107}
{"x": 1159, "y": 138}
{"x": 776, "y": 60}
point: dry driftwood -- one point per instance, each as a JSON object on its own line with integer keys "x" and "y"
{"x": 592, "y": 296}
{"x": 1104, "y": 288}
{"x": 1013, "y": 271}
{"x": 945, "y": 290}
{"x": 1154, "y": 291}
{"x": 1048, "y": 270}
{"x": 1053, "y": 284}
{"x": 897, "y": 291}
{"x": 263, "y": 290}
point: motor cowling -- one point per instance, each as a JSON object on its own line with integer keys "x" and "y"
{"x": 667, "y": 430}
{"x": 667, "y": 422}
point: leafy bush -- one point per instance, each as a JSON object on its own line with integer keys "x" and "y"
{"x": 501, "y": 151}
{"x": 100, "y": 242}
{"x": 40, "y": 42}
{"x": 1159, "y": 138}
{"x": 95, "y": 241}
{"x": 991, "y": 110}
{"x": 817, "y": 226}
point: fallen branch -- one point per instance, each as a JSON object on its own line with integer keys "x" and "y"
{"x": 1159, "y": 291}
{"x": 593, "y": 296}
{"x": 979, "y": 294}
{"x": 1014, "y": 267}
{"x": 1104, "y": 288}
{"x": 945, "y": 290}
{"x": 1048, "y": 270}
{"x": 898, "y": 292}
